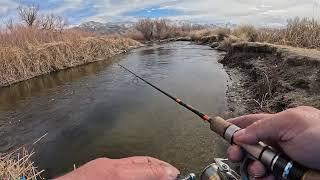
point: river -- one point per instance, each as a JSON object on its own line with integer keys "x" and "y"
{"x": 100, "y": 110}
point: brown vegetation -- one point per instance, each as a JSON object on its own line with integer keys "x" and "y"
{"x": 161, "y": 29}
{"x": 18, "y": 165}
{"x": 27, "y": 52}
{"x": 298, "y": 32}
{"x": 304, "y": 33}
{"x": 42, "y": 44}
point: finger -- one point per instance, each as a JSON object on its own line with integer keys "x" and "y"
{"x": 142, "y": 160}
{"x": 161, "y": 169}
{"x": 270, "y": 177}
{"x": 155, "y": 167}
{"x": 247, "y": 120}
{"x": 262, "y": 130}
{"x": 256, "y": 169}
{"x": 235, "y": 153}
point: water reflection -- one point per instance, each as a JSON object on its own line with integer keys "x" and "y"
{"x": 99, "y": 110}
{"x": 9, "y": 96}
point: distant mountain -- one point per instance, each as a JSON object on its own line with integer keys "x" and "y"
{"x": 121, "y": 27}
{"x": 105, "y": 28}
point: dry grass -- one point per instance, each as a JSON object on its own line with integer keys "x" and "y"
{"x": 18, "y": 165}
{"x": 273, "y": 36}
{"x": 303, "y": 33}
{"x": 219, "y": 33}
{"x": 134, "y": 34}
{"x": 198, "y": 34}
{"x": 21, "y": 36}
{"x": 227, "y": 42}
{"x": 28, "y": 52}
{"x": 245, "y": 32}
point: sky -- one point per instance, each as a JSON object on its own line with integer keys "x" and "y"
{"x": 257, "y": 12}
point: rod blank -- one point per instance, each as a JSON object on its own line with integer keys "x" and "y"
{"x": 281, "y": 167}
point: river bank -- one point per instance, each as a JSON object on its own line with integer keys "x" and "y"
{"x": 99, "y": 110}
{"x": 271, "y": 78}
{"x": 26, "y": 53}
{"x": 265, "y": 77}
{"x": 24, "y": 60}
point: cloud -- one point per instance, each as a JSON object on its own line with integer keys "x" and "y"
{"x": 262, "y": 12}
{"x": 6, "y": 6}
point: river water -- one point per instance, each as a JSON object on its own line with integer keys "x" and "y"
{"x": 100, "y": 110}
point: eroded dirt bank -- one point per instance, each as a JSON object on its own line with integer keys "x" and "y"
{"x": 271, "y": 78}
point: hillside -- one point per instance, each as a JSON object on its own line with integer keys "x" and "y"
{"x": 105, "y": 28}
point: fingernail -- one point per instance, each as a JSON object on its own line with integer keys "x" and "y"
{"x": 240, "y": 134}
{"x": 172, "y": 173}
{"x": 256, "y": 170}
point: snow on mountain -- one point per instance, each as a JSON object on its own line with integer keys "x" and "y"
{"x": 105, "y": 28}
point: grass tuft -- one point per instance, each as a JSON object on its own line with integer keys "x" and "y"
{"x": 18, "y": 165}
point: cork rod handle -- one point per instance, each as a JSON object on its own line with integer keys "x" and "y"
{"x": 311, "y": 175}
{"x": 279, "y": 165}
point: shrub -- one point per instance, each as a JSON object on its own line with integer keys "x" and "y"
{"x": 222, "y": 33}
{"x": 274, "y": 36}
{"x": 197, "y": 35}
{"x": 246, "y": 32}
{"x": 146, "y": 27}
{"x": 160, "y": 29}
{"x": 303, "y": 33}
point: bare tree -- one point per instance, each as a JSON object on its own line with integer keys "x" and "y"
{"x": 28, "y": 14}
{"x": 52, "y": 22}
{"x": 162, "y": 29}
{"x": 146, "y": 27}
{"x": 10, "y": 24}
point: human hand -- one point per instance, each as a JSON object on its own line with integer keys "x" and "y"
{"x": 296, "y": 132}
{"x": 134, "y": 168}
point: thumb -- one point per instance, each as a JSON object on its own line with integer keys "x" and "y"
{"x": 262, "y": 130}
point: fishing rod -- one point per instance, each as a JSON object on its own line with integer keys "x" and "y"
{"x": 279, "y": 165}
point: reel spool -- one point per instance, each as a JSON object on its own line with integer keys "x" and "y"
{"x": 219, "y": 171}
{"x": 216, "y": 171}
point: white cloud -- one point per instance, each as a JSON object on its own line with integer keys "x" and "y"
{"x": 259, "y": 12}
{"x": 67, "y": 6}
{"x": 6, "y": 6}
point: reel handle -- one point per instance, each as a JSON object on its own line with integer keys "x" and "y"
{"x": 275, "y": 162}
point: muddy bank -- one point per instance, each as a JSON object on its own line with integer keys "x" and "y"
{"x": 271, "y": 78}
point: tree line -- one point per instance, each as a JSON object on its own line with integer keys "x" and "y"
{"x": 158, "y": 29}
{"x": 31, "y": 17}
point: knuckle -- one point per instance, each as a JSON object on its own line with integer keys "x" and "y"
{"x": 99, "y": 161}
{"x": 258, "y": 124}
{"x": 304, "y": 108}
{"x": 295, "y": 111}
{"x": 102, "y": 159}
